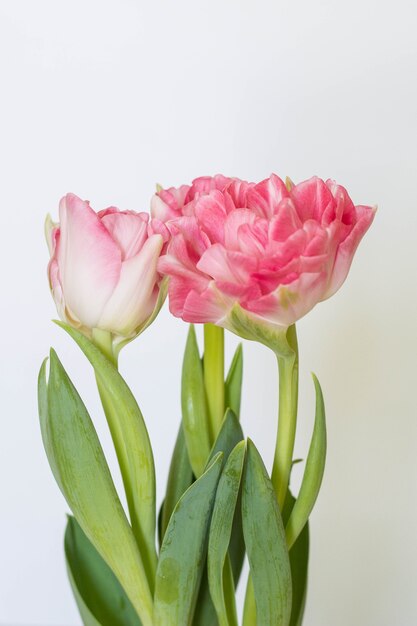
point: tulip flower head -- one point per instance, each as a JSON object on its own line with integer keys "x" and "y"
{"x": 247, "y": 256}
{"x": 103, "y": 268}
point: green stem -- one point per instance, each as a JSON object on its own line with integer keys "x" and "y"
{"x": 214, "y": 375}
{"x": 287, "y": 418}
{"x": 103, "y": 341}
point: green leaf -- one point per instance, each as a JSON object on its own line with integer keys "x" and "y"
{"x": 86, "y": 615}
{"x": 79, "y": 466}
{"x": 313, "y": 473}
{"x": 233, "y": 383}
{"x": 100, "y": 597}
{"x": 205, "y": 613}
{"x": 299, "y": 566}
{"x": 180, "y": 477}
{"x": 265, "y": 543}
{"x": 194, "y": 406}
{"x": 229, "y": 436}
{"x": 183, "y": 551}
{"x": 132, "y": 445}
{"x": 220, "y": 532}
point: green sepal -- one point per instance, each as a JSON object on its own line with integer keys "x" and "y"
{"x": 313, "y": 473}
{"x": 100, "y": 597}
{"x": 132, "y": 444}
{"x": 194, "y": 406}
{"x": 265, "y": 543}
{"x": 80, "y": 469}
{"x": 233, "y": 383}
{"x": 183, "y": 551}
{"x": 250, "y": 327}
{"x": 220, "y": 574}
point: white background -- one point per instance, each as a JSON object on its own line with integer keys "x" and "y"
{"x": 106, "y": 98}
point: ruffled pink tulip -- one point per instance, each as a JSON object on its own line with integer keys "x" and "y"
{"x": 269, "y": 251}
{"x": 103, "y": 267}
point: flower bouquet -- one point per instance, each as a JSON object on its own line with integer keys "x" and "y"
{"x": 249, "y": 258}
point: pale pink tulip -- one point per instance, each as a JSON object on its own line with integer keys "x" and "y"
{"x": 103, "y": 267}
{"x": 272, "y": 252}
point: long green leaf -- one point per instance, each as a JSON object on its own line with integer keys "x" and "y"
{"x": 80, "y": 468}
{"x": 265, "y": 543}
{"x": 132, "y": 445}
{"x": 205, "y": 613}
{"x": 313, "y": 473}
{"x": 299, "y": 566}
{"x": 183, "y": 551}
{"x": 194, "y": 406}
{"x": 233, "y": 383}
{"x": 85, "y": 613}
{"x": 229, "y": 436}
{"x": 180, "y": 477}
{"x": 219, "y": 538}
{"x": 100, "y": 597}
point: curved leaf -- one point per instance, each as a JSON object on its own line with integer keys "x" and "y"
{"x": 183, "y": 551}
{"x": 180, "y": 477}
{"x": 313, "y": 473}
{"x": 233, "y": 383}
{"x": 265, "y": 543}
{"x": 194, "y": 406}
{"x": 220, "y": 532}
{"x": 80, "y": 468}
{"x": 229, "y": 436}
{"x": 100, "y": 597}
{"x": 132, "y": 445}
{"x": 299, "y": 566}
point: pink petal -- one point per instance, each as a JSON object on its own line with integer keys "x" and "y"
{"x": 208, "y": 306}
{"x": 88, "y": 258}
{"x": 347, "y": 248}
{"x": 205, "y": 184}
{"x": 231, "y": 226}
{"x": 219, "y": 264}
{"x": 285, "y": 222}
{"x": 290, "y": 302}
{"x": 312, "y": 198}
{"x": 167, "y": 204}
{"x": 134, "y": 297}
{"x": 265, "y": 197}
{"x": 211, "y": 213}
{"x": 128, "y": 230}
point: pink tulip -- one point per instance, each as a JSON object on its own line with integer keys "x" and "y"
{"x": 272, "y": 252}
{"x": 103, "y": 267}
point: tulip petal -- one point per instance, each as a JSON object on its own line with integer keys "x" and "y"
{"x": 89, "y": 260}
{"x": 209, "y": 306}
{"x": 347, "y": 248}
{"x": 290, "y": 302}
{"x": 129, "y": 230}
{"x": 265, "y": 197}
{"x": 312, "y": 198}
{"x": 134, "y": 297}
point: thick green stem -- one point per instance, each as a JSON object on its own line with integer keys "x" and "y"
{"x": 147, "y": 547}
{"x": 214, "y": 375}
{"x": 104, "y": 340}
{"x": 287, "y": 418}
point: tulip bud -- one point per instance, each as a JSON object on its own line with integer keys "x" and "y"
{"x": 103, "y": 269}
